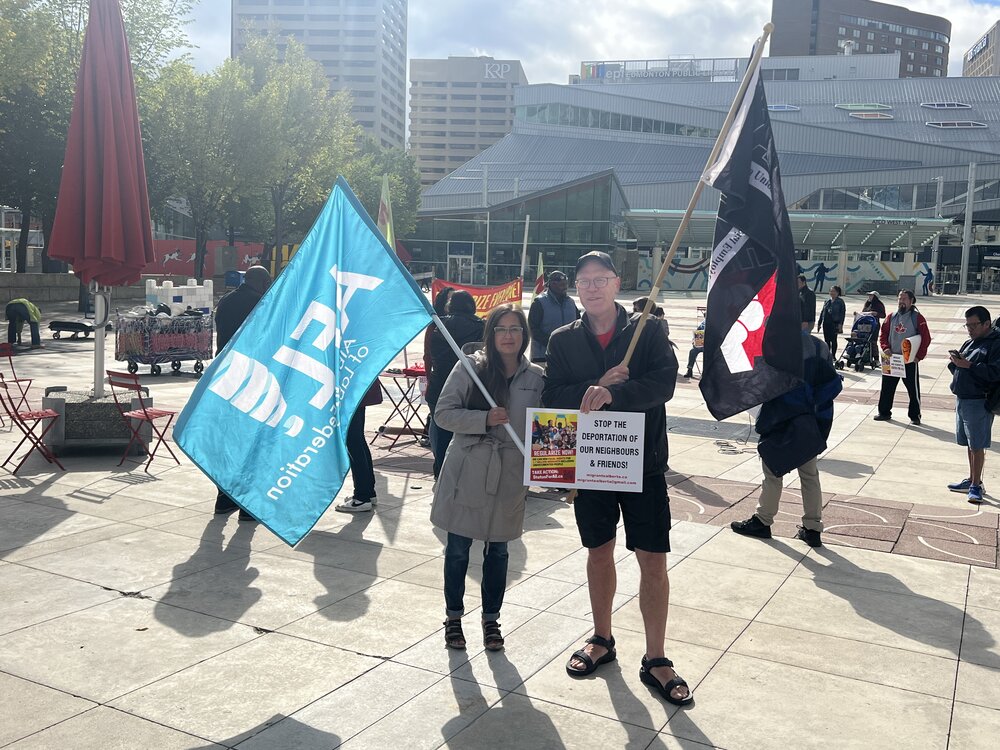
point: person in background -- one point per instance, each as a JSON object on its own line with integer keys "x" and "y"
{"x": 831, "y": 319}
{"x": 18, "y": 312}
{"x": 875, "y": 306}
{"x": 441, "y": 308}
{"x": 550, "y": 310}
{"x": 901, "y": 325}
{"x": 697, "y": 347}
{"x": 465, "y": 328}
{"x": 362, "y": 471}
{"x": 230, "y": 313}
{"x": 807, "y": 304}
{"x": 480, "y": 493}
{"x": 657, "y": 312}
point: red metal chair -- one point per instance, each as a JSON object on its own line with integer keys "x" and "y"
{"x": 28, "y": 422}
{"x": 125, "y": 387}
{"x": 22, "y": 384}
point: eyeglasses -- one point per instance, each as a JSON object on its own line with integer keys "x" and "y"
{"x": 978, "y": 323}
{"x": 504, "y": 330}
{"x": 598, "y": 283}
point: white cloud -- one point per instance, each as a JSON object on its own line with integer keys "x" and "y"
{"x": 552, "y": 37}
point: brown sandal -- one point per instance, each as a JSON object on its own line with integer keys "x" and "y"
{"x": 453, "y": 635}
{"x": 492, "y": 639}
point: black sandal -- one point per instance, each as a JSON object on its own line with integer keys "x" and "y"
{"x": 492, "y": 639}
{"x": 453, "y": 635}
{"x": 611, "y": 655}
{"x": 667, "y": 689}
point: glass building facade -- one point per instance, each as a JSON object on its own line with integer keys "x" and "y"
{"x": 473, "y": 246}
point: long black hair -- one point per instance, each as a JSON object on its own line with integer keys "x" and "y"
{"x": 490, "y": 367}
{"x": 441, "y": 300}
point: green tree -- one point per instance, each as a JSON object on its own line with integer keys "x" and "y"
{"x": 303, "y": 136}
{"x": 40, "y": 47}
{"x": 196, "y": 131}
{"x": 365, "y": 177}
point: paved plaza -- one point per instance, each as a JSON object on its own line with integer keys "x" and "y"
{"x": 132, "y": 617}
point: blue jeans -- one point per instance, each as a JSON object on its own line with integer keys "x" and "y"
{"x": 440, "y": 439}
{"x": 456, "y": 565}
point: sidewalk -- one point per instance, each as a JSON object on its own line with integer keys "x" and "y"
{"x": 134, "y": 618}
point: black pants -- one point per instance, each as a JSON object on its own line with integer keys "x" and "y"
{"x": 830, "y": 331}
{"x": 362, "y": 471}
{"x": 912, "y": 383}
{"x": 17, "y": 315}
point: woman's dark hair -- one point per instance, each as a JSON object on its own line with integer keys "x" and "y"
{"x": 462, "y": 302}
{"x": 490, "y": 368}
{"x": 840, "y": 292}
{"x": 441, "y": 301}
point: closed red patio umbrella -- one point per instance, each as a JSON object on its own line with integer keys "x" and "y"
{"x": 102, "y": 225}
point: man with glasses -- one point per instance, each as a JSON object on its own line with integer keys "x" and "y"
{"x": 903, "y": 324}
{"x": 975, "y": 368}
{"x": 585, "y": 372}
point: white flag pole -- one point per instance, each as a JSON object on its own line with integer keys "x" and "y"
{"x": 475, "y": 377}
{"x": 524, "y": 248}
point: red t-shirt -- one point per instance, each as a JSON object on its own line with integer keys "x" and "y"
{"x": 605, "y": 338}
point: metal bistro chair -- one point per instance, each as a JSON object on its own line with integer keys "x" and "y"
{"x": 28, "y": 422}
{"x": 124, "y": 388}
{"x": 22, "y": 384}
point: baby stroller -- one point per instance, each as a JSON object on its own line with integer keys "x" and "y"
{"x": 859, "y": 351}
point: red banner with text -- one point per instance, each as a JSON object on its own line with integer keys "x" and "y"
{"x": 487, "y": 297}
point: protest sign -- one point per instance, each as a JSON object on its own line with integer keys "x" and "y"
{"x": 598, "y": 451}
{"x": 893, "y": 365}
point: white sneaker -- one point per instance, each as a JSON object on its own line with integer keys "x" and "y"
{"x": 354, "y": 505}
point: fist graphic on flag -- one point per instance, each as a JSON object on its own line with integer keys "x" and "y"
{"x": 745, "y": 340}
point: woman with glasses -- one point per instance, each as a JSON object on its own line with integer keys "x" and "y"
{"x": 480, "y": 493}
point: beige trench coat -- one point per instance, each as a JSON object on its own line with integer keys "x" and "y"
{"x": 480, "y": 493}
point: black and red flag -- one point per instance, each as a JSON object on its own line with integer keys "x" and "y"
{"x": 753, "y": 338}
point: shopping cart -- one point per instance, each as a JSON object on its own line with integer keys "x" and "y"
{"x": 150, "y": 340}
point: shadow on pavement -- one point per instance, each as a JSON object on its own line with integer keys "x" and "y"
{"x": 306, "y": 735}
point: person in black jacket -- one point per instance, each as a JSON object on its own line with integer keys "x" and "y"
{"x": 975, "y": 369}
{"x": 465, "y": 328}
{"x": 585, "y": 372}
{"x": 807, "y": 304}
{"x": 793, "y": 429}
{"x": 230, "y": 313}
{"x": 831, "y": 318}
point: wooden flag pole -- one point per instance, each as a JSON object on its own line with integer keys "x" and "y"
{"x": 654, "y": 292}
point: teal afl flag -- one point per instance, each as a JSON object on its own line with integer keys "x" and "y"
{"x": 268, "y": 420}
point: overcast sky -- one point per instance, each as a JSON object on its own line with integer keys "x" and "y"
{"x": 552, "y": 37}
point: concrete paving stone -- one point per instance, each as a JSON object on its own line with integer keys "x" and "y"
{"x": 118, "y": 507}
{"x": 30, "y": 707}
{"x": 981, "y": 637}
{"x": 378, "y": 620}
{"x": 572, "y": 566}
{"x": 984, "y": 588}
{"x": 891, "y": 573}
{"x": 733, "y": 718}
{"x": 915, "y": 545}
{"x": 857, "y": 660}
{"x": 431, "y": 719}
{"x": 865, "y": 521}
{"x": 867, "y": 614}
{"x": 110, "y": 649}
{"x": 872, "y": 502}
{"x": 263, "y": 591}
{"x": 431, "y": 575}
{"x": 107, "y": 729}
{"x": 223, "y": 531}
{"x": 29, "y": 523}
{"x": 886, "y": 486}
{"x": 518, "y": 721}
{"x": 553, "y": 521}
{"x": 737, "y": 592}
{"x": 857, "y": 542}
{"x": 324, "y": 548}
{"x": 973, "y": 727}
{"x": 614, "y": 690}
{"x": 961, "y": 512}
{"x": 272, "y": 676}
{"x": 714, "y": 492}
{"x": 139, "y": 560}
{"x": 70, "y": 541}
{"x": 538, "y": 592}
{"x": 335, "y": 717}
{"x": 683, "y": 508}
{"x": 686, "y": 537}
{"x": 773, "y": 556}
{"x": 174, "y": 514}
{"x": 31, "y": 596}
{"x": 978, "y": 685}
{"x": 686, "y": 625}
{"x": 527, "y": 649}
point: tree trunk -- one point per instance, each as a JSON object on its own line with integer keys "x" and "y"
{"x": 200, "y": 250}
{"x": 49, "y": 265}
{"x": 21, "y": 252}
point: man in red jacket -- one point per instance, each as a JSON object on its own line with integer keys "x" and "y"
{"x": 905, "y": 323}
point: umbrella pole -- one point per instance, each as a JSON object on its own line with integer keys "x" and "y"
{"x": 101, "y": 304}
